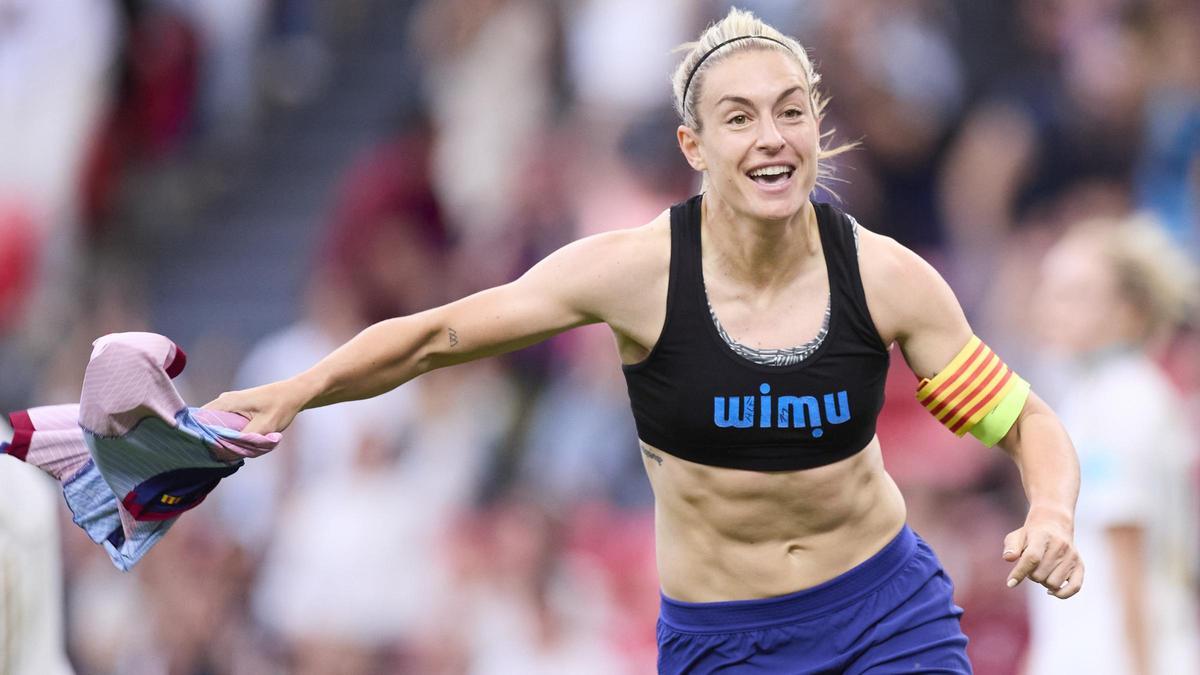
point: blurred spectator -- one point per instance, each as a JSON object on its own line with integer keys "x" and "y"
{"x": 542, "y": 219}
{"x": 1168, "y": 178}
{"x": 31, "y": 617}
{"x": 230, "y": 32}
{"x": 1055, "y": 142}
{"x": 1110, "y": 291}
{"x": 388, "y": 239}
{"x": 18, "y": 260}
{"x": 151, "y": 113}
{"x": 571, "y": 454}
{"x": 488, "y": 85}
{"x": 1069, "y": 121}
{"x": 619, "y": 55}
{"x": 156, "y": 111}
{"x": 55, "y": 59}
{"x": 54, "y": 84}
{"x": 352, "y": 566}
{"x": 520, "y": 605}
{"x": 897, "y": 83}
{"x": 192, "y": 596}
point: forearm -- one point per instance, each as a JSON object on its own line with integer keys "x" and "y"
{"x": 1049, "y": 467}
{"x": 380, "y": 358}
{"x": 1043, "y": 548}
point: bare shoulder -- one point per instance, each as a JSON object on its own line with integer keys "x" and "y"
{"x": 907, "y": 297}
{"x": 636, "y": 279}
{"x": 635, "y": 250}
{"x": 608, "y": 273}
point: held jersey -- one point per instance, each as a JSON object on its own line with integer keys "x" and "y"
{"x": 131, "y": 455}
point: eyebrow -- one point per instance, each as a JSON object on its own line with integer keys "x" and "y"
{"x": 747, "y": 102}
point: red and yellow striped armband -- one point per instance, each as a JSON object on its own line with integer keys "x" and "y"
{"x": 976, "y": 392}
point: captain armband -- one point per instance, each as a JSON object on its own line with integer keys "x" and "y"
{"x": 976, "y": 392}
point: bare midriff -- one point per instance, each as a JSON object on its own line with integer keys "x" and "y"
{"x": 730, "y": 534}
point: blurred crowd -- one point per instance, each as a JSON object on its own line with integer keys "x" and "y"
{"x": 493, "y": 518}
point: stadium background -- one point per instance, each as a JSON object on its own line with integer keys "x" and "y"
{"x": 259, "y": 179}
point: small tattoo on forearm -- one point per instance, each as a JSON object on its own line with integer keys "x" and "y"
{"x": 651, "y": 455}
{"x": 453, "y": 338}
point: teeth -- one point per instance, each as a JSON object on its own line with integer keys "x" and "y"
{"x": 771, "y": 170}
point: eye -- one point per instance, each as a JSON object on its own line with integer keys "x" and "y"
{"x": 739, "y": 119}
{"x": 793, "y": 113}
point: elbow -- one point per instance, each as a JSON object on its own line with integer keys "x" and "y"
{"x": 1034, "y": 414}
{"x": 422, "y": 365}
{"x": 405, "y": 346}
{"x": 1038, "y": 430}
{"x": 432, "y": 350}
{"x": 425, "y": 363}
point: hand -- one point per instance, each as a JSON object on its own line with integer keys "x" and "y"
{"x": 271, "y": 407}
{"x": 1044, "y": 552}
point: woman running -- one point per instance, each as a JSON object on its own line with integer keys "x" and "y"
{"x": 754, "y": 327}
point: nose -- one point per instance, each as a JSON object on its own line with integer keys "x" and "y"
{"x": 769, "y": 139}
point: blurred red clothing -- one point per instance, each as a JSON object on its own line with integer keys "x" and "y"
{"x": 18, "y": 263}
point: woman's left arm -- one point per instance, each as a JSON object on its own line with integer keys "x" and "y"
{"x": 914, "y": 307}
{"x": 1042, "y": 548}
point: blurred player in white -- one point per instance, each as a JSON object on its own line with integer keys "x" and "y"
{"x": 1109, "y": 290}
{"x": 31, "y": 616}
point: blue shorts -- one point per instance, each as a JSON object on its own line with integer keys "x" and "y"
{"x": 894, "y": 613}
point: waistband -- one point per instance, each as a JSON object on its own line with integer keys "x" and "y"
{"x": 734, "y": 615}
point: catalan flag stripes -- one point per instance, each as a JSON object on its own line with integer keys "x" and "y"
{"x": 970, "y": 387}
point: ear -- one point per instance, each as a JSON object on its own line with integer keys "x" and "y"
{"x": 689, "y": 145}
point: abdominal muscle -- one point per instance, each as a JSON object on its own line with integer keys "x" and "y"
{"x": 731, "y": 534}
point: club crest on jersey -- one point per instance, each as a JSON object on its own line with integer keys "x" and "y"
{"x": 794, "y": 412}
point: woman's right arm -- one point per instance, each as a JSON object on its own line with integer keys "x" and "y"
{"x": 575, "y": 285}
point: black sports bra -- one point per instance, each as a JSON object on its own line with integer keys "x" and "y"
{"x": 697, "y": 399}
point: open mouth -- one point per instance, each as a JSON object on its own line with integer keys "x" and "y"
{"x": 774, "y": 174}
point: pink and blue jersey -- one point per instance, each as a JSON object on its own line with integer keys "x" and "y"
{"x": 132, "y": 455}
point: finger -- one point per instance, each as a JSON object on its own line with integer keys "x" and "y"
{"x": 1061, "y": 574}
{"x": 249, "y": 445}
{"x": 1014, "y": 544}
{"x": 1056, "y": 554}
{"x": 1035, "y": 550}
{"x": 1073, "y": 584}
{"x": 215, "y": 404}
{"x": 260, "y": 425}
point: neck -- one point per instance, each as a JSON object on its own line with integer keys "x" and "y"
{"x": 759, "y": 252}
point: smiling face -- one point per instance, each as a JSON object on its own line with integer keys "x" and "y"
{"x": 758, "y": 137}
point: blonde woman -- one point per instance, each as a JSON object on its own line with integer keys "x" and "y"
{"x": 754, "y": 327}
{"x": 1110, "y": 289}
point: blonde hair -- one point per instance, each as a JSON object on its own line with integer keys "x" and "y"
{"x": 1152, "y": 274}
{"x": 740, "y": 24}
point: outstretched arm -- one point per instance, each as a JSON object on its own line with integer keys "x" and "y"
{"x": 913, "y": 305}
{"x": 571, "y": 287}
